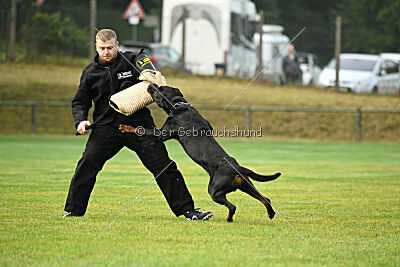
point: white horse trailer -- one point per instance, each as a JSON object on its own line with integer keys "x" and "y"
{"x": 273, "y": 42}
{"x": 218, "y": 32}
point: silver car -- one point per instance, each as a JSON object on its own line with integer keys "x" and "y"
{"x": 161, "y": 55}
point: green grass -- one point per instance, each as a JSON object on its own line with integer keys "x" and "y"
{"x": 344, "y": 198}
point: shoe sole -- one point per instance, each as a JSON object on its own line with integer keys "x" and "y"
{"x": 206, "y": 218}
{"x": 68, "y": 216}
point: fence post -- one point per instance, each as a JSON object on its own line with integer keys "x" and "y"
{"x": 338, "y": 50}
{"x": 183, "y": 52}
{"x": 248, "y": 118}
{"x": 34, "y": 113}
{"x": 260, "y": 42}
{"x": 359, "y": 124}
{"x": 92, "y": 30}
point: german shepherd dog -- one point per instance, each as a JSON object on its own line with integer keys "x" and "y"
{"x": 185, "y": 124}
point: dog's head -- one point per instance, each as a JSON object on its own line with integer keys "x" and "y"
{"x": 166, "y": 96}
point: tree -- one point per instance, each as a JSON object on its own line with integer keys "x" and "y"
{"x": 318, "y": 18}
{"x": 271, "y": 11}
{"x": 53, "y": 34}
{"x": 369, "y": 26}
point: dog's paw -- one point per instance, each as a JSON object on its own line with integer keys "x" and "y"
{"x": 271, "y": 214}
{"x": 229, "y": 218}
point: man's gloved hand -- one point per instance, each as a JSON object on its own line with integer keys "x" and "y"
{"x": 153, "y": 77}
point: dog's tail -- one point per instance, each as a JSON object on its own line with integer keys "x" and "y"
{"x": 258, "y": 177}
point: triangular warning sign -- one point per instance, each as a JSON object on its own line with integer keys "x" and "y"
{"x": 134, "y": 10}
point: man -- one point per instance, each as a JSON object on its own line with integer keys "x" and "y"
{"x": 291, "y": 67}
{"x": 101, "y": 79}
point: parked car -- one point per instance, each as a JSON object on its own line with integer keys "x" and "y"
{"x": 161, "y": 55}
{"x": 308, "y": 66}
{"x": 363, "y": 73}
{"x": 392, "y": 56}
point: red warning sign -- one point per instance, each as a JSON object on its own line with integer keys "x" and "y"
{"x": 134, "y": 10}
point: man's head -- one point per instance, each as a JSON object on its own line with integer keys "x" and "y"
{"x": 290, "y": 49}
{"x": 107, "y": 45}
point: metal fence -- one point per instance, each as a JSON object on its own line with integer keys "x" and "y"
{"x": 358, "y": 112}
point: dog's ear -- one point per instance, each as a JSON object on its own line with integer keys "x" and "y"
{"x": 177, "y": 92}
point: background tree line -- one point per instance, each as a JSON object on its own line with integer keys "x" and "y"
{"x": 369, "y": 26}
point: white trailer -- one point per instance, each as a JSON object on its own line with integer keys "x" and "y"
{"x": 217, "y": 32}
{"x": 273, "y": 42}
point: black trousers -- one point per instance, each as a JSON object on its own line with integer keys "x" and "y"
{"x": 103, "y": 143}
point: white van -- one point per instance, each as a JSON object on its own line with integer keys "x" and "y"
{"x": 363, "y": 73}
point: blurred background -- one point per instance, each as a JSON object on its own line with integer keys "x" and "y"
{"x": 367, "y": 26}
{"x": 340, "y": 48}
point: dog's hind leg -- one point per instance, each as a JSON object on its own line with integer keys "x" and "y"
{"x": 248, "y": 187}
{"x": 220, "y": 198}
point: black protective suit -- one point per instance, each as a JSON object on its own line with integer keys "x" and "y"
{"x": 98, "y": 82}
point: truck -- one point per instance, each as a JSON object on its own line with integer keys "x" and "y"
{"x": 218, "y": 35}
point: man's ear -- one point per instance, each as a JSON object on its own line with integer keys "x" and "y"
{"x": 117, "y": 44}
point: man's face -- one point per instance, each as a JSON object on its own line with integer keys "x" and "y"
{"x": 290, "y": 49}
{"x": 107, "y": 50}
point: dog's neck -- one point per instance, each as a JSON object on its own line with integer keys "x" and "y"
{"x": 176, "y": 106}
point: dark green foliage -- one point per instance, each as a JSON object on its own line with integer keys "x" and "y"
{"x": 371, "y": 26}
{"x": 53, "y": 34}
{"x": 271, "y": 11}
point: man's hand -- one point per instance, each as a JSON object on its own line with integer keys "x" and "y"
{"x": 153, "y": 77}
{"x": 81, "y": 127}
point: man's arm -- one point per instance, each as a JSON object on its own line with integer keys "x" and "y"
{"x": 81, "y": 103}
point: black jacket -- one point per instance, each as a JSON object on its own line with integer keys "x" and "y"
{"x": 98, "y": 82}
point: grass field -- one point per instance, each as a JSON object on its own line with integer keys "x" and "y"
{"x": 344, "y": 198}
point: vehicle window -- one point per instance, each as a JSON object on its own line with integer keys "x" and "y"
{"x": 275, "y": 50}
{"x": 302, "y": 59}
{"x": 382, "y": 66}
{"x": 160, "y": 51}
{"x": 248, "y": 29}
{"x": 354, "y": 64}
{"x": 391, "y": 67}
{"x": 235, "y": 28}
{"x": 173, "y": 55}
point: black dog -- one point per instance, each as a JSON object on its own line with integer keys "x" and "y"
{"x": 193, "y": 132}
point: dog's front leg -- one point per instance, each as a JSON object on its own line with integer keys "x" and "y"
{"x": 168, "y": 131}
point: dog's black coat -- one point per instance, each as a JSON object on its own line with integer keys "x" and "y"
{"x": 193, "y": 132}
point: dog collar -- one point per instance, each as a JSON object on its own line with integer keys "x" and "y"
{"x": 181, "y": 103}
